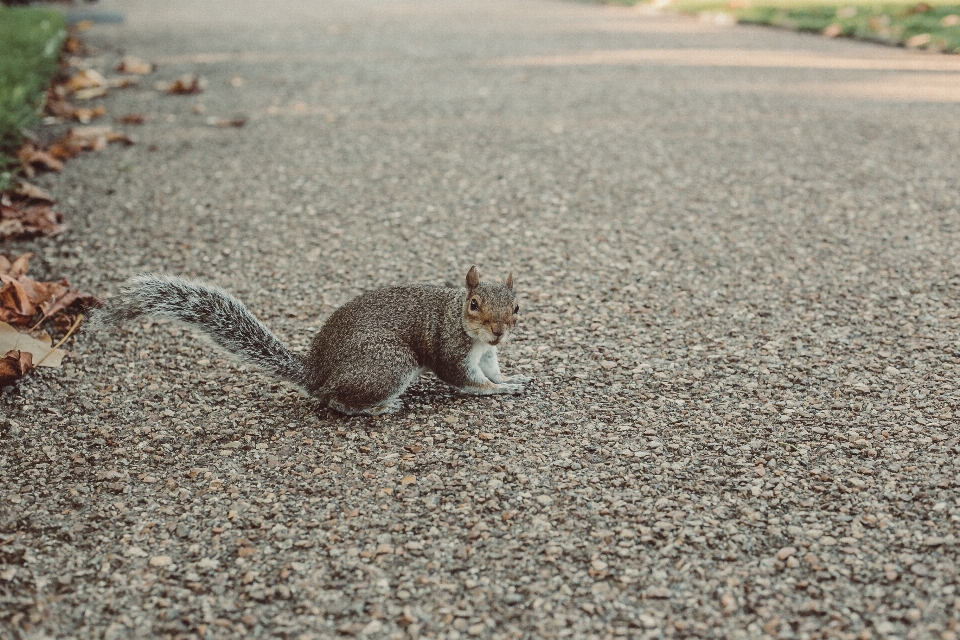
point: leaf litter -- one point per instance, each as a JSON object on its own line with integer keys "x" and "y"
{"x": 27, "y": 216}
{"x": 25, "y": 302}
{"x": 89, "y": 138}
{"x": 28, "y": 303}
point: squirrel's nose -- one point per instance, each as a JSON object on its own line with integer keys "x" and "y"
{"x": 497, "y": 331}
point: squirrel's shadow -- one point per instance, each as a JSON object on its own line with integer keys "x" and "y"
{"x": 428, "y": 394}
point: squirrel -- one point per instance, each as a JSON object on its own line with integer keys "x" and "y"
{"x": 368, "y": 351}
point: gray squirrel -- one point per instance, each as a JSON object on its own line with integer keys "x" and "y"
{"x": 367, "y": 353}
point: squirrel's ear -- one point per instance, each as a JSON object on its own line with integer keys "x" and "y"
{"x": 509, "y": 281}
{"x": 473, "y": 278}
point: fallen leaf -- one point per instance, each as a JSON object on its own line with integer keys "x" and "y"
{"x": 90, "y": 94}
{"x": 26, "y": 217}
{"x": 85, "y": 79}
{"x": 32, "y": 191}
{"x": 31, "y": 158}
{"x": 184, "y": 85}
{"x": 132, "y": 64}
{"x": 79, "y": 139}
{"x": 56, "y": 102}
{"x": 13, "y": 340}
{"x": 132, "y": 118}
{"x": 23, "y": 299}
{"x": 16, "y": 268}
{"x": 950, "y": 20}
{"x": 919, "y": 40}
{"x": 84, "y": 116}
{"x": 14, "y": 365}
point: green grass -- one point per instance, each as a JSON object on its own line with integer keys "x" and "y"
{"x": 30, "y": 41}
{"x": 917, "y": 24}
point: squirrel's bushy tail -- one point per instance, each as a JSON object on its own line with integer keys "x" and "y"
{"x": 213, "y": 311}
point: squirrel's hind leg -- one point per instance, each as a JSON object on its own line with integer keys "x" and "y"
{"x": 372, "y": 390}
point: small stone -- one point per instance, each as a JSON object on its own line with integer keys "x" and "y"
{"x": 374, "y": 626}
{"x": 786, "y": 552}
{"x": 476, "y": 629}
{"x": 545, "y": 500}
{"x": 160, "y": 561}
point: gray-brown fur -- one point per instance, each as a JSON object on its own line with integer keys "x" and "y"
{"x": 367, "y": 352}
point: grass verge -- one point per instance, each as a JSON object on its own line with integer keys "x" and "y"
{"x": 928, "y": 25}
{"x": 30, "y": 41}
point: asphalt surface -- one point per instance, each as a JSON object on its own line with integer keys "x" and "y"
{"x": 737, "y": 256}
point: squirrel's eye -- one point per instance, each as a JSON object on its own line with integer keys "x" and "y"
{"x": 474, "y": 306}
{"x": 516, "y": 309}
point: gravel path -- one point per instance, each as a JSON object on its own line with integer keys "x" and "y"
{"x": 738, "y": 257}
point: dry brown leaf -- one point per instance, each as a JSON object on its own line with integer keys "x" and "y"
{"x": 184, "y": 85}
{"x": 14, "y": 365}
{"x": 84, "y": 116}
{"x": 16, "y": 268}
{"x": 132, "y": 118}
{"x": 44, "y": 355}
{"x": 132, "y": 64}
{"x": 56, "y": 102}
{"x": 81, "y": 139}
{"x": 85, "y": 79}
{"x": 90, "y": 94}
{"x": 24, "y": 217}
{"x": 32, "y": 158}
{"x": 27, "y": 302}
{"x": 32, "y": 191}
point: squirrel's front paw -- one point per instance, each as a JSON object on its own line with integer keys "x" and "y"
{"x": 510, "y": 387}
{"x": 517, "y": 379}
